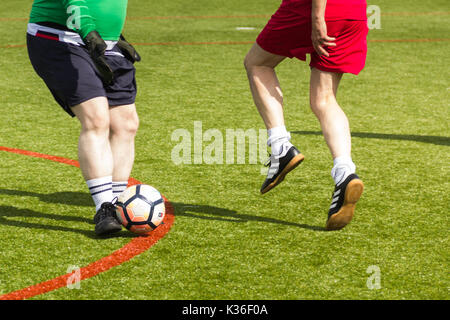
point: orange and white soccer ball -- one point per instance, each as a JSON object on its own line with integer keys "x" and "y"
{"x": 140, "y": 208}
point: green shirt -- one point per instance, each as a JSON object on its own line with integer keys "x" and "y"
{"x": 83, "y": 16}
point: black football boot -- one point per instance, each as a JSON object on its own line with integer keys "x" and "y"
{"x": 280, "y": 166}
{"x": 343, "y": 203}
{"x": 106, "y": 220}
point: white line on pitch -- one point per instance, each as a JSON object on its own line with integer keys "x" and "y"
{"x": 245, "y": 28}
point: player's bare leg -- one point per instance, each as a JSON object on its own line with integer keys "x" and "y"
{"x": 124, "y": 123}
{"x": 336, "y": 131}
{"x": 333, "y": 121}
{"x": 96, "y": 160}
{"x": 94, "y": 151}
{"x": 264, "y": 85}
{"x": 268, "y": 98}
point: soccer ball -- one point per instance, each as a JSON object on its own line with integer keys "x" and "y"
{"x": 140, "y": 208}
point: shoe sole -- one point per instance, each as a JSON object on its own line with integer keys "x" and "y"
{"x": 295, "y": 161}
{"x": 343, "y": 217}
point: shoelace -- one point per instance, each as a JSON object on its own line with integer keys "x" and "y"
{"x": 107, "y": 209}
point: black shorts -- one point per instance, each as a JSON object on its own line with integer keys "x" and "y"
{"x": 70, "y": 74}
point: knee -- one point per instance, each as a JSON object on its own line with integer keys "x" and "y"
{"x": 247, "y": 63}
{"x": 126, "y": 125}
{"x": 321, "y": 104}
{"x": 250, "y": 62}
{"x": 317, "y": 104}
{"x": 132, "y": 124}
{"x": 97, "y": 123}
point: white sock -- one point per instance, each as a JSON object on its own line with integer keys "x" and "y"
{"x": 278, "y": 136}
{"x": 118, "y": 187}
{"x": 343, "y": 167}
{"x": 101, "y": 190}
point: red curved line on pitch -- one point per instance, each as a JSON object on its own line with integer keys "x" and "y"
{"x": 135, "y": 247}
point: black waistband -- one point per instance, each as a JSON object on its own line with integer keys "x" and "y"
{"x": 54, "y": 26}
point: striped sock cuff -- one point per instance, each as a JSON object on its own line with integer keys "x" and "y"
{"x": 118, "y": 187}
{"x": 101, "y": 190}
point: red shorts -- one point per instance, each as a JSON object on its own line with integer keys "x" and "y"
{"x": 288, "y": 33}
